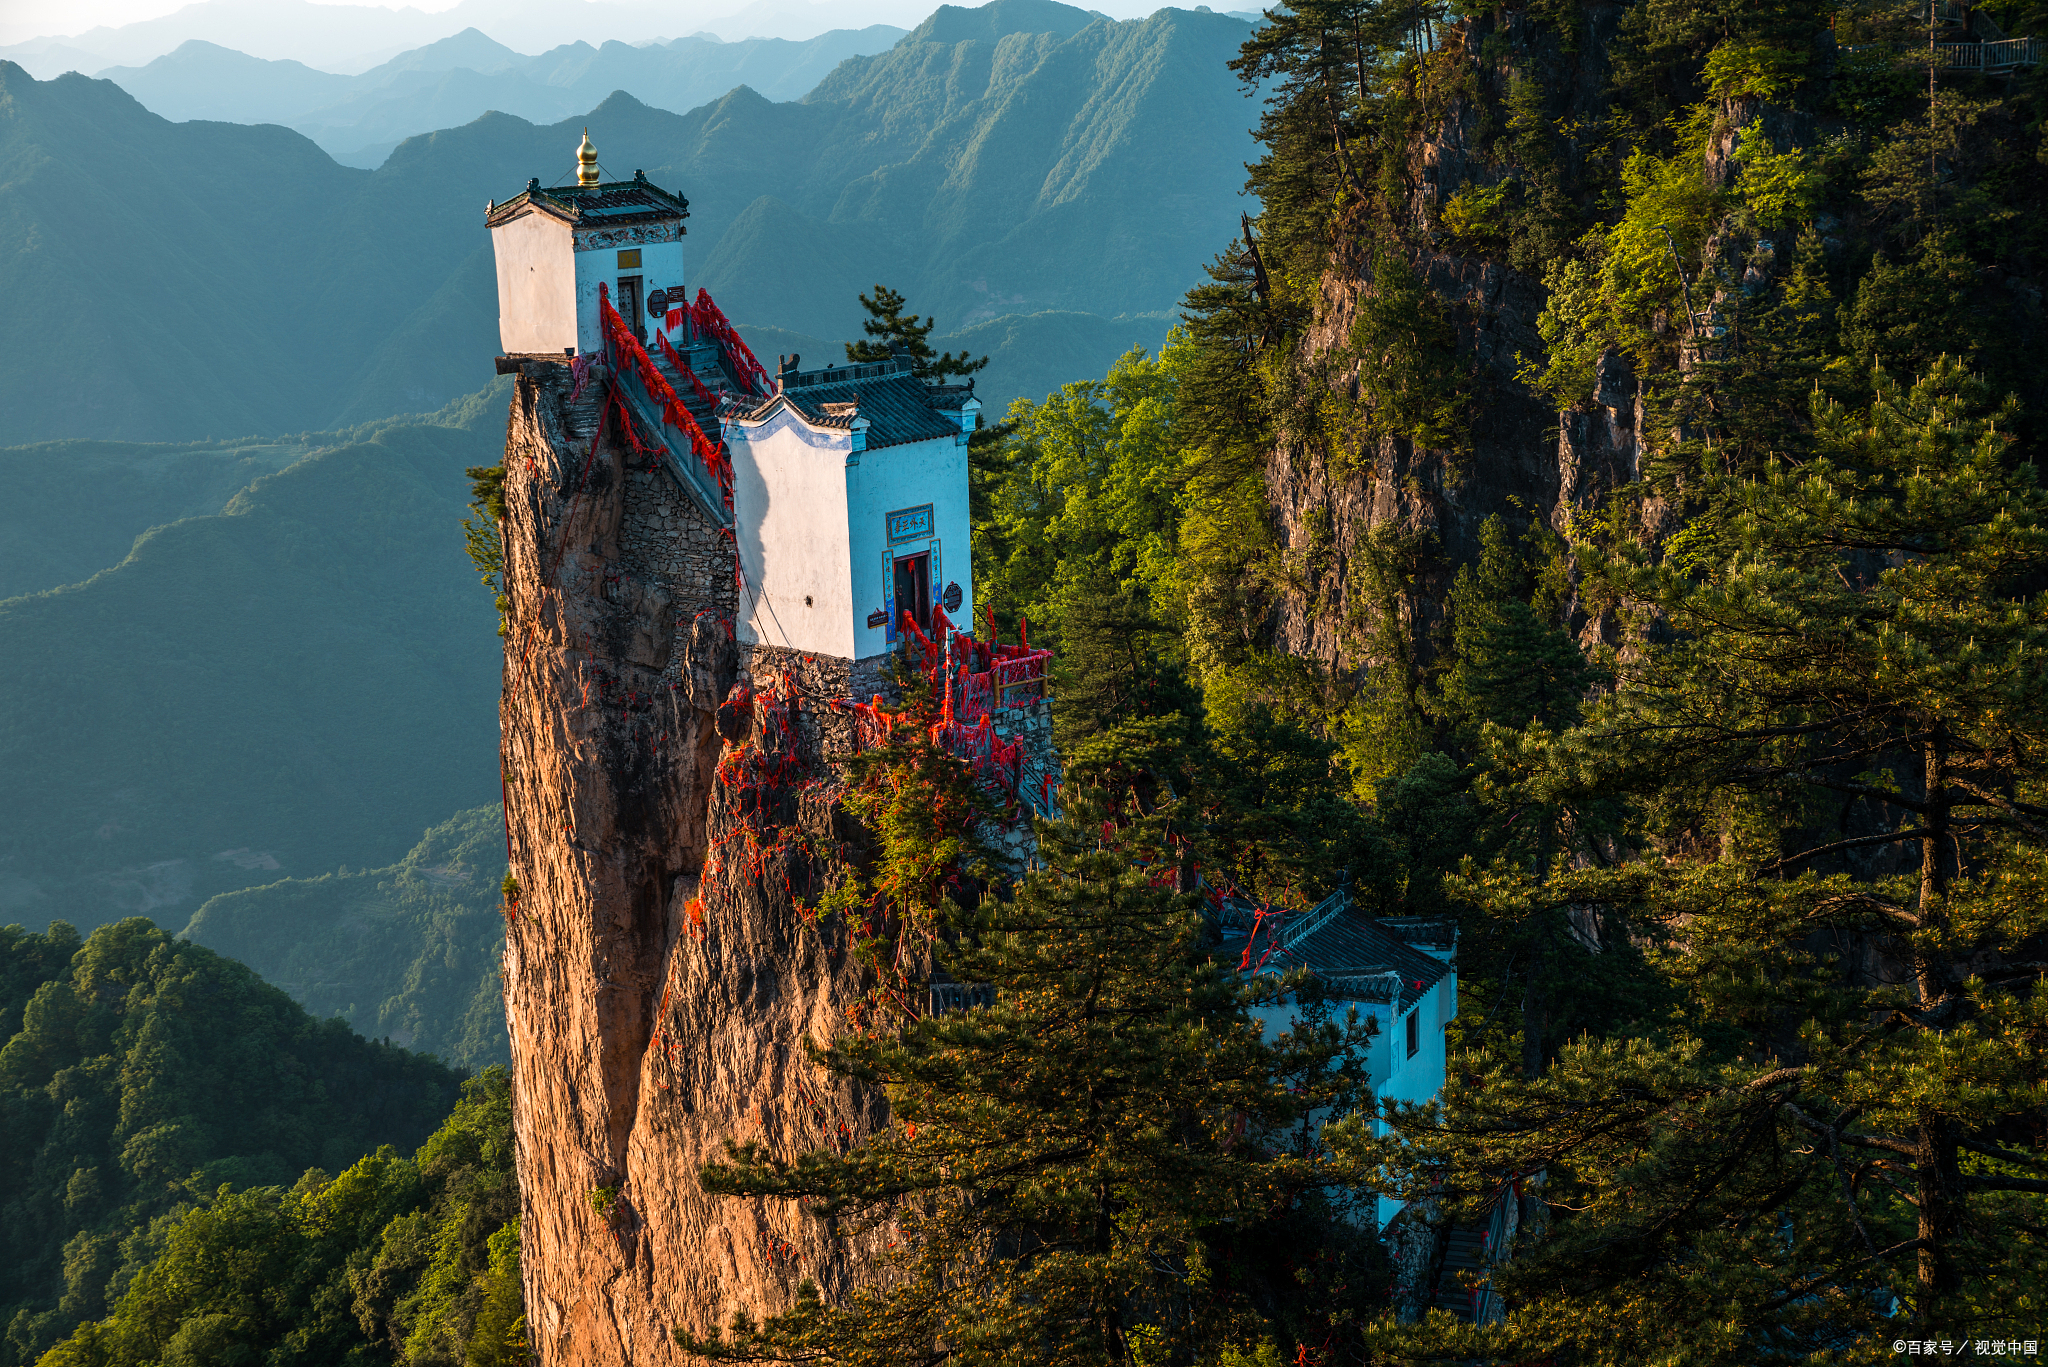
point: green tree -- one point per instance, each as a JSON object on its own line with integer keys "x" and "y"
{"x": 1063, "y": 1170}
{"x": 1832, "y": 724}
{"x": 895, "y": 332}
{"x": 395, "y": 1261}
{"x": 1511, "y": 663}
{"x": 141, "y": 1074}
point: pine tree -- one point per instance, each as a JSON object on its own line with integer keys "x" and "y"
{"x": 1065, "y": 1172}
{"x": 1832, "y": 724}
{"x": 895, "y": 332}
{"x": 1510, "y": 665}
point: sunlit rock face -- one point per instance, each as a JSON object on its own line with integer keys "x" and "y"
{"x": 661, "y": 976}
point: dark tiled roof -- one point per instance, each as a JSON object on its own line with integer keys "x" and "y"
{"x": 614, "y": 201}
{"x": 896, "y": 406}
{"x": 949, "y": 398}
{"x": 1359, "y": 956}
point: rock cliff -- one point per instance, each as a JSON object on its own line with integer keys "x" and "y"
{"x": 660, "y": 978}
{"x": 1422, "y": 505}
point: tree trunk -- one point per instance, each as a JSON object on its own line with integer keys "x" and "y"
{"x": 1940, "y": 1187}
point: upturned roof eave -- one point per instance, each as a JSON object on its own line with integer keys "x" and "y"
{"x": 564, "y": 206}
{"x": 780, "y": 403}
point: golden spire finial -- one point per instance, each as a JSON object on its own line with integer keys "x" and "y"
{"x": 586, "y": 162}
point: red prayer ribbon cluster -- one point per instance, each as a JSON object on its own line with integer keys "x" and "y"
{"x": 706, "y": 317}
{"x": 626, "y": 347}
{"x": 979, "y": 675}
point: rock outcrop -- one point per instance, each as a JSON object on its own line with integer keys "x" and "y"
{"x": 661, "y": 977}
{"x": 1422, "y": 508}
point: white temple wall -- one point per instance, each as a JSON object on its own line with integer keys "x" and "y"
{"x": 536, "y": 284}
{"x": 660, "y": 268}
{"x": 789, "y": 510}
{"x": 1394, "y": 1075}
{"x": 894, "y": 479}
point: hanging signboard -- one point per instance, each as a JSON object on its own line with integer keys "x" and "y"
{"x": 910, "y": 524}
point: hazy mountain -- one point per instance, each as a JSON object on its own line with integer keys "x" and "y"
{"x": 359, "y": 119}
{"x": 297, "y": 682}
{"x": 76, "y": 507}
{"x": 354, "y": 38}
{"x": 203, "y": 80}
{"x": 1092, "y": 172}
{"x": 408, "y": 952}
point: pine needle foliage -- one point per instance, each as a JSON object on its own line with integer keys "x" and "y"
{"x": 1830, "y": 725}
{"x": 894, "y": 331}
{"x": 1060, "y": 1168}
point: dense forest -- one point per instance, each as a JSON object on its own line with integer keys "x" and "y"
{"x": 168, "y": 1126}
{"x": 1595, "y": 499}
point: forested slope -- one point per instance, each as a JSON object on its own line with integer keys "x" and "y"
{"x": 408, "y": 952}
{"x": 274, "y": 690}
{"x": 1612, "y": 452}
{"x": 139, "y": 1074}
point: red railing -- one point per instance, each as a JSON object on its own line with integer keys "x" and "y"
{"x": 627, "y": 351}
{"x": 964, "y": 672}
{"x": 706, "y": 317}
{"x": 682, "y": 367}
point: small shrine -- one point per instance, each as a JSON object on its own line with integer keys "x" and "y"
{"x": 558, "y": 249}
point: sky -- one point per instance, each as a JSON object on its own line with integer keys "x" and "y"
{"x": 22, "y": 20}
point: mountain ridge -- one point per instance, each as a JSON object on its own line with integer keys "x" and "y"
{"x": 937, "y": 187}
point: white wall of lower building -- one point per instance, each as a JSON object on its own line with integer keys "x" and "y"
{"x": 536, "y": 284}
{"x": 1394, "y": 1075}
{"x": 789, "y": 502}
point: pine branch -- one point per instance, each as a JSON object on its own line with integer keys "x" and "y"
{"x": 1913, "y": 833}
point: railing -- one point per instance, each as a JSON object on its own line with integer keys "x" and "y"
{"x": 690, "y": 474}
{"x": 707, "y": 477}
{"x": 951, "y": 997}
{"x": 1019, "y": 679}
{"x": 2001, "y": 55}
{"x": 1319, "y": 916}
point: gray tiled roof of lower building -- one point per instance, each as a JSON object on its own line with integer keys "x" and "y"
{"x": 1349, "y": 951}
{"x": 897, "y": 408}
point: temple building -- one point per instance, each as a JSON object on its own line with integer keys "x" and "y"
{"x": 555, "y": 247}
{"x": 843, "y": 487}
{"x": 1399, "y": 973}
{"x": 850, "y": 489}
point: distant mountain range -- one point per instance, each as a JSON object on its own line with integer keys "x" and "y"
{"x": 294, "y": 681}
{"x": 359, "y": 119}
{"x": 354, "y": 38}
{"x": 175, "y": 281}
{"x": 408, "y": 952}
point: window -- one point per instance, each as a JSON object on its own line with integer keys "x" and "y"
{"x": 1414, "y": 1032}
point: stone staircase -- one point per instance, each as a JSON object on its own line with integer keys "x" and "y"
{"x": 1464, "y": 1253}
{"x": 704, "y": 360}
{"x": 708, "y": 365}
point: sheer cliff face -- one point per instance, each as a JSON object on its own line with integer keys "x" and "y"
{"x": 659, "y": 979}
{"x": 1521, "y": 452}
